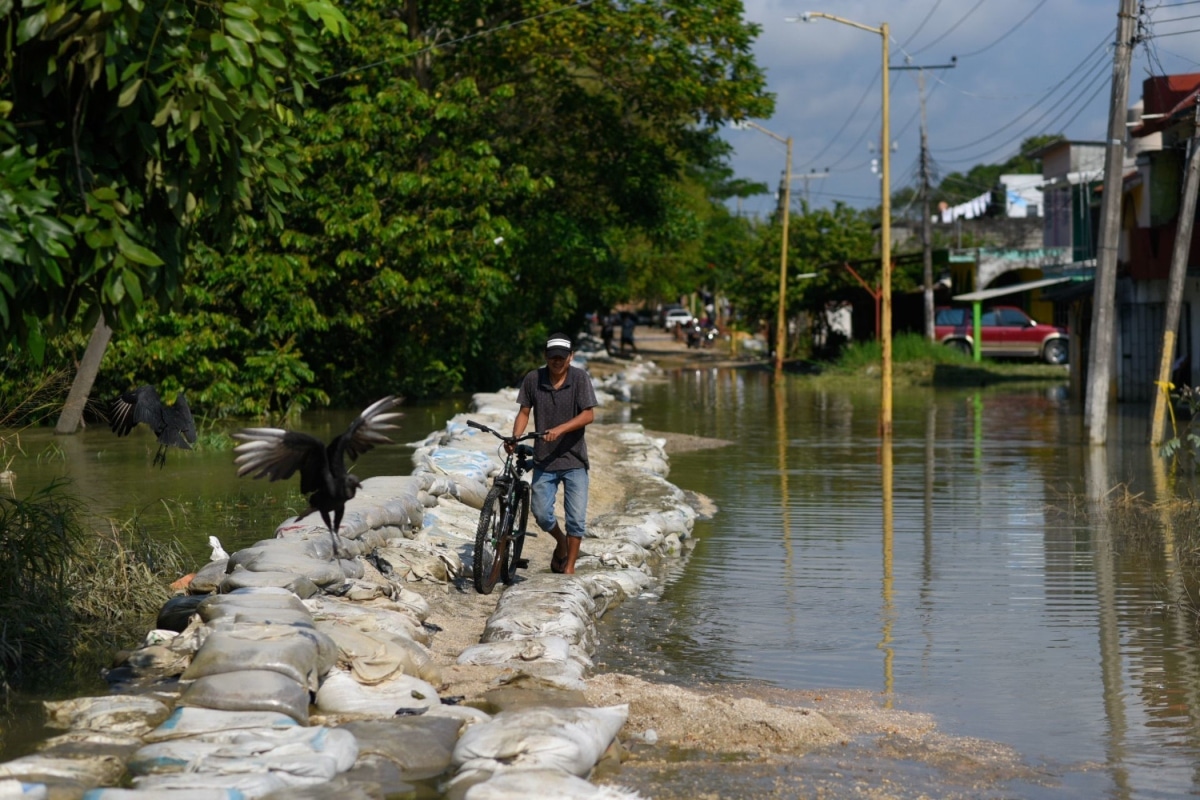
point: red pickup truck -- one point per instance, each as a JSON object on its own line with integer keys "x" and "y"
{"x": 1005, "y": 331}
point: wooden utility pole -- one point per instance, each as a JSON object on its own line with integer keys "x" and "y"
{"x": 926, "y": 179}
{"x": 1103, "y": 314}
{"x": 1179, "y": 265}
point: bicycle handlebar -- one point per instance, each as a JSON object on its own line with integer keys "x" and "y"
{"x": 508, "y": 439}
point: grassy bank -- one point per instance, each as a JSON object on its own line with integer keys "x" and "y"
{"x": 916, "y": 360}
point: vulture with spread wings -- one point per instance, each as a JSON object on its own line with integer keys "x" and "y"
{"x": 173, "y": 425}
{"x": 277, "y": 454}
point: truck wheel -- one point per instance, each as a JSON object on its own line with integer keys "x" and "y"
{"x": 1055, "y": 352}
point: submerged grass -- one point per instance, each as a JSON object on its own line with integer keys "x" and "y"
{"x": 69, "y": 592}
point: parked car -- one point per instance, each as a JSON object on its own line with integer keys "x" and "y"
{"x": 1005, "y": 331}
{"x": 675, "y": 316}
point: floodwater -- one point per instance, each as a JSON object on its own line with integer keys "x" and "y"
{"x": 963, "y": 590}
{"x": 958, "y": 587}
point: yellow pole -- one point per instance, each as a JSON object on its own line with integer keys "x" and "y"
{"x": 885, "y": 404}
{"x": 781, "y": 319}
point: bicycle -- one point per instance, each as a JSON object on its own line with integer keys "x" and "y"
{"x": 497, "y": 545}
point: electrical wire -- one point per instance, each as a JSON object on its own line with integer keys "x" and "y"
{"x": 1009, "y": 32}
{"x": 952, "y": 28}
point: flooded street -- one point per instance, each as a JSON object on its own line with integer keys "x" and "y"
{"x": 962, "y": 587}
{"x": 974, "y": 597}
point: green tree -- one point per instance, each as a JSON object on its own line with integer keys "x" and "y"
{"x": 124, "y": 125}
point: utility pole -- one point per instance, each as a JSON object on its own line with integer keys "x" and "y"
{"x": 812, "y": 175}
{"x": 926, "y": 222}
{"x": 1179, "y": 265}
{"x": 1104, "y": 297}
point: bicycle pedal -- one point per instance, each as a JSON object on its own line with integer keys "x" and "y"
{"x": 530, "y": 534}
{"x": 521, "y": 563}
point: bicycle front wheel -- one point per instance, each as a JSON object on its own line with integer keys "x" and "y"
{"x": 491, "y": 548}
{"x": 520, "y": 517}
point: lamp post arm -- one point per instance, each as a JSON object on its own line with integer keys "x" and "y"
{"x": 809, "y": 15}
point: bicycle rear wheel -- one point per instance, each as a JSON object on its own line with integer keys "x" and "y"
{"x": 520, "y": 518}
{"x": 490, "y": 546}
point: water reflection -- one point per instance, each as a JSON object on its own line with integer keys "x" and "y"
{"x": 935, "y": 571}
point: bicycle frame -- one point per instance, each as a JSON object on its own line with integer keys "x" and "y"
{"x": 497, "y": 546}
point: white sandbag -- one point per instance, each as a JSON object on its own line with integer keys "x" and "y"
{"x": 85, "y": 771}
{"x": 294, "y": 652}
{"x": 470, "y": 492}
{"x": 249, "y": 690}
{"x": 114, "y": 713}
{"x": 373, "y": 656}
{"x": 341, "y": 694}
{"x": 457, "y": 463}
{"x": 411, "y": 560}
{"x": 571, "y": 740}
{"x": 267, "y": 597}
{"x": 306, "y": 755}
{"x": 544, "y": 783}
{"x": 185, "y": 722}
{"x": 12, "y": 789}
{"x": 165, "y": 794}
{"x": 392, "y": 616}
{"x": 298, "y": 585}
{"x": 246, "y": 785}
{"x": 285, "y": 556}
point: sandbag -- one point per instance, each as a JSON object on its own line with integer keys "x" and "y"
{"x": 11, "y": 789}
{"x": 177, "y": 612}
{"x": 294, "y": 652}
{"x": 404, "y": 694}
{"x": 372, "y": 656}
{"x": 246, "y": 785}
{"x": 173, "y": 794}
{"x": 185, "y": 722}
{"x": 208, "y": 578}
{"x": 419, "y": 747}
{"x": 130, "y": 714}
{"x": 411, "y": 560}
{"x": 571, "y": 740}
{"x": 287, "y": 557}
{"x": 85, "y": 771}
{"x": 541, "y": 783}
{"x": 258, "y": 598}
{"x": 249, "y": 690}
{"x": 298, "y": 585}
{"x": 304, "y": 754}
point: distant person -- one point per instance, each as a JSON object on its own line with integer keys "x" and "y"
{"x": 628, "y": 323}
{"x": 606, "y": 333}
{"x": 561, "y": 398}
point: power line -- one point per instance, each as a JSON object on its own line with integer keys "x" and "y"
{"x": 1009, "y": 32}
{"x": 952, "y": 28}
{"x": 1032, "y": 108}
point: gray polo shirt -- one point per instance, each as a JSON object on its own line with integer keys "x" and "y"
{"x": 553, "y": 407}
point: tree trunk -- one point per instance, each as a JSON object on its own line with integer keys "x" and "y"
{"x": 72, "y": 413}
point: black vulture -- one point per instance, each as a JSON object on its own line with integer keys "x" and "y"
{"x": 173, "y": 425}
{"x": 277, "y": 454}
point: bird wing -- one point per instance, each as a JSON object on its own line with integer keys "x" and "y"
{"x": 181, "y": 428}
{"x": 367, "y": 430}
{"x": 140, "y": 405}
{"x": 276, "y": 454}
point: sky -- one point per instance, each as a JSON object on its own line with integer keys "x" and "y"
{"x": 1023, "y": 68}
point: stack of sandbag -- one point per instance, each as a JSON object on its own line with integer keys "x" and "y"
{"x": 101, "y": 733}
{"x": 536, "y": 752}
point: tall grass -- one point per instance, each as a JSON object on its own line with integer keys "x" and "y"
{"x": 906, "y": 348}
{"x": 68, "y": 594}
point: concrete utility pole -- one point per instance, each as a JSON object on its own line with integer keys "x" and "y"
{"x": 926, "y": 222}
{"x": 1103, "y": 313}
{"x": 1179, "y": 265}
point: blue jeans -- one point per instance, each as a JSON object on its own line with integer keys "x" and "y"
{"x": 575, "y": 495}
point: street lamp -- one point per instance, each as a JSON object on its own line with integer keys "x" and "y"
{"x": 885, "y": 407}
{"x": 780, "y": 321}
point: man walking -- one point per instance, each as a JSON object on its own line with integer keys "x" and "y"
{"x": 561, "y": 398}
